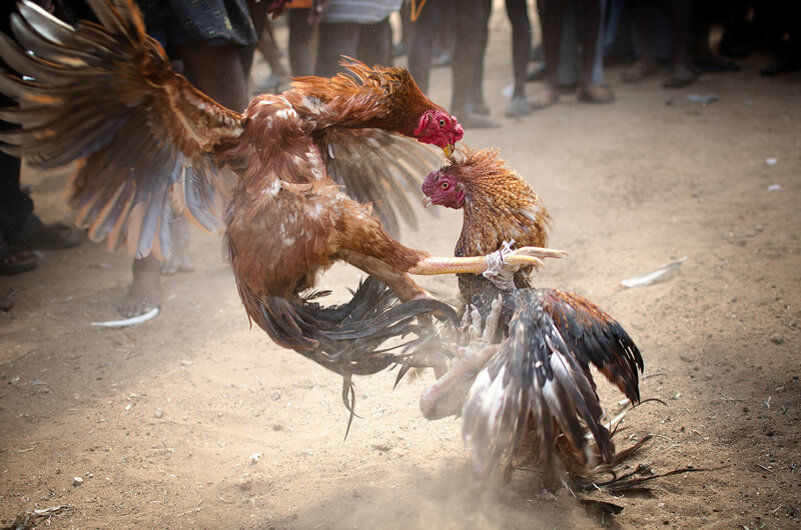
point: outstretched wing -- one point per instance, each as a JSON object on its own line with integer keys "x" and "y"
{"x": 106, "y": 95}
{"x": 380, "y": 167}
{"x": 539, "y": 381}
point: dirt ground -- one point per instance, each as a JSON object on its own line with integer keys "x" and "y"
{"x": 161, "y": 420}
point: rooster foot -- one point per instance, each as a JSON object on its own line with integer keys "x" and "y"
{"x": 446, "y": 395}
{"x": 503, "y": 264}
{"x": 538, "y": 252}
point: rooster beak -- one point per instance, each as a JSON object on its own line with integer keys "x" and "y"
{"x": 448, "y": 150}
{"x": 426, "y": 202}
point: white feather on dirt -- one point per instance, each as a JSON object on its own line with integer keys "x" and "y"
{"x": 654, "y": 276}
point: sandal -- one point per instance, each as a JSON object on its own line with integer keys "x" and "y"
{"x": 15, "y": 261}
{"x": 6, "y": 304}
{"x": 519, "y": 106}
{"x": 50, "y": 237}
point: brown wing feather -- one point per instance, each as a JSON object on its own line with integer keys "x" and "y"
{"x": 107, "y": 95}
{"x": 383, "y": 97}
{"x": 378, "y": 167}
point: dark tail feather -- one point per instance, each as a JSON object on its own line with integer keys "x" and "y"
{"x": 538, "y": 384}
{"x": 347, "y": 338}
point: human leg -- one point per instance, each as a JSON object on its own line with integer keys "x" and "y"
{"x": 421, "y": 44}
{"x": 551, "y": 17}
{"x": 517, "y": 11}
{"x": 335, "y": 39}
{"x": 590, "y": 27}
{"x": 219, "y": 72}
{"x": 300, "y": 36}
{"x": 468, "y": 63}
{"x": 645, "y": 64}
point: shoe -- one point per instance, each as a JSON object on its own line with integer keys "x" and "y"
{"x": 780, "y": 65}
{"x": 519, "y": 106}
{"x": 15, "y": 261}
{"x": 52, "y": 236}
{"x": 596, "y": 93}
{"x": 6, "y": 304}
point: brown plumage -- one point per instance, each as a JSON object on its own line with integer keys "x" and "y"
{"x": 532, "y": 395}
{"x": 498, "y": 206}
{"x": 298, "y": 175}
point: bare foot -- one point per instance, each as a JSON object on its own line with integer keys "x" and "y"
{"x": 179, "y": 260}
{"x": 546, "y": 97}
{"x": 144, "y": 293}
{"x": 596, "y": 93}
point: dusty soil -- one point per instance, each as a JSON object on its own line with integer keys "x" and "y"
{"x": 631, "y": 185}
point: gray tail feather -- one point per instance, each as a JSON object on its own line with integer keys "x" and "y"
{"x": 349, "y": 339}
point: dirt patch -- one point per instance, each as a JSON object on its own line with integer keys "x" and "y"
{"x": 631, "y": 185}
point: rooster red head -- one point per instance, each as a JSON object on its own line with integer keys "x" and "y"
{"x": 439, "y": 128}
{"x": 441, "y": 188}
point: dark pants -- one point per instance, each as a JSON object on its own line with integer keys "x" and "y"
{"x": 16, "y": 207}
{"x": 369, "y": 43}
{"x": 470, "y": 18}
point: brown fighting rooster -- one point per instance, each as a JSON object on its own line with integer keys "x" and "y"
{"x": 148, "y": 142}
{"x": 531, "y": 393}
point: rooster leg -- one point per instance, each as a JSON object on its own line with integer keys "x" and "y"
{"x": 401, "y": 283}
{"x": 446, "y": 395}
{"x": 478, "y": 264}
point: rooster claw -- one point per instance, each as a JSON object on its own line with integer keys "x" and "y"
{"x": 502, "y": 265}
{"x": 529, "y": 256}
{"x": 519, "y": 260}
{"x": 540, "y": 252}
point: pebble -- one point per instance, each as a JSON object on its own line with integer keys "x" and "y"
{"x": 777, "y": 339}
{"x": 185, "y": 362}
{"x": 159, "y": 413}
{"x": 77, "y": 481}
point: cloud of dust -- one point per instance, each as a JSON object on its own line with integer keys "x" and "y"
{"x": 450, "y": 498}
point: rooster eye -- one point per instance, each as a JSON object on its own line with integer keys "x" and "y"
{"x": 444, "y": 185}
{"x": 442, "y": 122}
